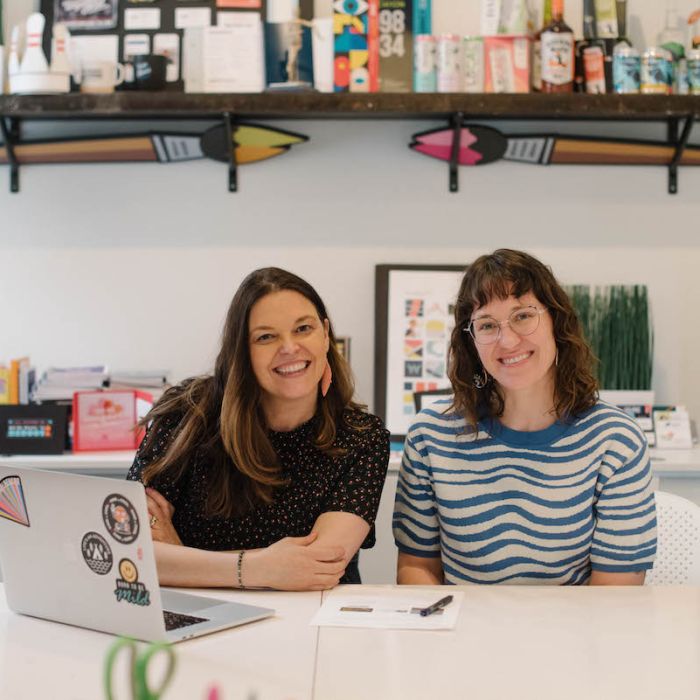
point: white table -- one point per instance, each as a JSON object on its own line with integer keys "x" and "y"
{"x": 530, "y": 643}
{"x": 273, "y": 658}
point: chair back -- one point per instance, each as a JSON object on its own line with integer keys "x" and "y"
{"x": 678, "y": 541}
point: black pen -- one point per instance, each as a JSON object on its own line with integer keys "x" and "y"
{"x": 443, "y": 602}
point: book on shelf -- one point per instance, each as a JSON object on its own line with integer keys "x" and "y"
{"x": 60, "y": 383}
{"x": 108, "y": 419}
{"x": 154, "y": 382}
{"x": 16, "y": 380}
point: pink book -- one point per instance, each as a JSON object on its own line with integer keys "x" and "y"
{"x": 107, "y": 420}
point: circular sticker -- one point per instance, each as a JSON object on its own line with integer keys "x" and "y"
{"x": 128, "y": 570}
{"x": 120, "y": 518}
{"x": 97, "y": 553}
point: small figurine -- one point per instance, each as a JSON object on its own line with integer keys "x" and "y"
{"x": 31, "y": 74}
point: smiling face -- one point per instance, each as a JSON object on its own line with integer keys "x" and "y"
{"x": 518, "y": 362}
{"x": 288, "y": 346}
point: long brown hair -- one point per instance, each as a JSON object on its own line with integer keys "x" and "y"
{"x": 221, "y": 417}
{"x": 498, "y": 276}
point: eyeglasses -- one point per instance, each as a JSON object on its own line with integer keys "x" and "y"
{"x": 486, "y": 330}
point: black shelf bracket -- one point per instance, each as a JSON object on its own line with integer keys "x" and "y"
{"x": 10, "y": 134}
{"x": 457, "y": 120}
{"x": 229, "y": 131}
{"x": 680, "y": 144}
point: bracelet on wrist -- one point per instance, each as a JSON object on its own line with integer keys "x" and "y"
{"x": 239, "y": 569}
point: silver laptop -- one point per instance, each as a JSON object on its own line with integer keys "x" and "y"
{"x": 78, "y": 549}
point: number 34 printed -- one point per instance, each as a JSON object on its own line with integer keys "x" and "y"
{"x": 392, "y": 25}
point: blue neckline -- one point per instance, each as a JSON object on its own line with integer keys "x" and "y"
{"x": 522, "y": 438}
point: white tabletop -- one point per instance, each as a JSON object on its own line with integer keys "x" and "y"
{"x": 273, "y": 658}
{"x": 533, "y": 643}
{"x": 530, "y": 643}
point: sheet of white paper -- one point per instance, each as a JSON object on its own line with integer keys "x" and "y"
{"x": 388, "y": 612}
{"x": 136, "y": 45}
{"x": 168, "y": 45}
{"x": 322, "y": 44}
{"x": 192, "y": 17}
{"x": 142, "y": 18}
{"x": 237, "y": 19}
{"x": 282, "y": 10}
{"x": 86, "y": 49}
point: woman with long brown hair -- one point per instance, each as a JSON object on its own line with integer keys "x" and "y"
{"x": 266, "y": 473}
{"x": 523, "y": 476}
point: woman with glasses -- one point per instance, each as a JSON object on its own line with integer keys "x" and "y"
{"x": 523, "y": 476}
{"x": 265, "y": 473}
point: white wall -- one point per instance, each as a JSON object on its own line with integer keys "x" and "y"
{"x": 134, "y": 265}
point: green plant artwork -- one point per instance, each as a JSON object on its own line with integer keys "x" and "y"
{"x": 616, "y": 321}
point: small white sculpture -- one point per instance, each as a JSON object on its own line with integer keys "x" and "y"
{"x": 31, "y": 74}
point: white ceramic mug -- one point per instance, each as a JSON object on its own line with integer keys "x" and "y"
{"x": 101, "y": 76}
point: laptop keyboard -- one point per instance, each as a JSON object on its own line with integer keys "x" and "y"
{"x": 174, "y": 621}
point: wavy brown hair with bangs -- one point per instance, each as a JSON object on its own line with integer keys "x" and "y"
{"x": 220, "y": 418}
{"x": 507, "y": 273}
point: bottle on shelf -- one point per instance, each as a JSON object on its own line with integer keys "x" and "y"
{"x": 557, "y": 52}
{"x": 537, "y": 48}
{"x": 672, "y": 38}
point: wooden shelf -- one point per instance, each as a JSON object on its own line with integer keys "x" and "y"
{"x": 312, "y": 105}
{"x": 679, "y": 112}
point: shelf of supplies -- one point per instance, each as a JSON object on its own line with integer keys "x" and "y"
{"x": 314, "y": 105}
{"x": 678, "y": 112}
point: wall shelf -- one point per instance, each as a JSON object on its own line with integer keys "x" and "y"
{"x": 678, "y": 112}
{"x": 312, "y": 105}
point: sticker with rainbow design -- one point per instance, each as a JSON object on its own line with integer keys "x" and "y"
{"x": 12, "y": 504}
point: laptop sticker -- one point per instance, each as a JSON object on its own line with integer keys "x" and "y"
{"x": 129, "y": 588}
{"x": 120, "y": 518}
{"x": 12, "y": 504}
{"x": 97, "y": 553}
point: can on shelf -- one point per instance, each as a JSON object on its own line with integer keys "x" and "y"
{"x": 680, "y": 82}
{"x": 594, "y": 70}
{"x": 657, "y": 71}
{"x": 473, "y": 72}
{"x": 449, "y": 63}
{"x": 424, "y": 64}
{"x": 693, "y": 58}
{"x": 627, "y": 67}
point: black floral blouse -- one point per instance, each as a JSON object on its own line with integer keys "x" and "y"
{"x": 317, "y": 483}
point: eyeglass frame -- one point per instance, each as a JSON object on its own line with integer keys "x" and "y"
{"x": 500, "y": 324}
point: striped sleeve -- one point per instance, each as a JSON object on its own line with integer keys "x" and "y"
{"x": 416, "y": 529}
{"x": 624, "y": 539}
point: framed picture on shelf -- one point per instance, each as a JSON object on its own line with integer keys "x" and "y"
{"x": 414, "y": 318}
{"x": 342, "y": 344}
{"x": 86, "y": 14}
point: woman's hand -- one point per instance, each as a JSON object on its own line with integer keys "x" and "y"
{"x": 297, "y": 564}
{"x": 161, "y": 513}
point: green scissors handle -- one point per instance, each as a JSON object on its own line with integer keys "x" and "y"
{"x": 138, "y": 662}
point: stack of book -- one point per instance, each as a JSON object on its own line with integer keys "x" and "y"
{"x": 154, "y": 382}
{"x": 60, "y": 383}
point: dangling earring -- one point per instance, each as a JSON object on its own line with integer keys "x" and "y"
{"x": 326, "y": 379}
{"x": 556, "y": 358}
{"x": 481, "y": 382}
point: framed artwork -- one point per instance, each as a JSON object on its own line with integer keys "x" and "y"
{"x": 414, "y": 307}
{"x": 342, "y": 343}
{"x": 86, "y": 14}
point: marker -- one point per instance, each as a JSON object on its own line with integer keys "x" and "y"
{"x": 443, "y": 602}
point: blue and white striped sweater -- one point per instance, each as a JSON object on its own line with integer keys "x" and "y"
{"x": 516, "y": 507}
